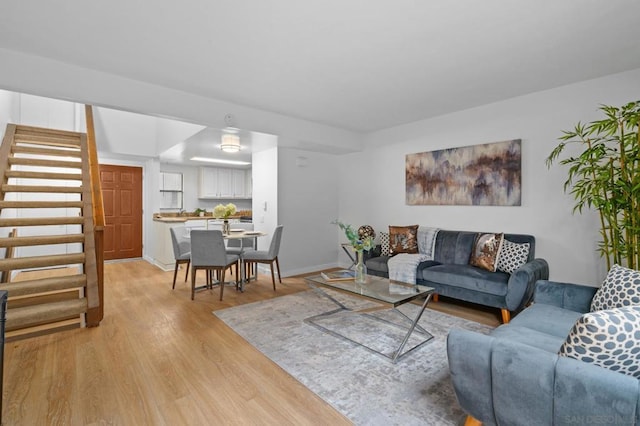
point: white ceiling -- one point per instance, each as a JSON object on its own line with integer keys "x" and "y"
{"x": 361, "y": 65}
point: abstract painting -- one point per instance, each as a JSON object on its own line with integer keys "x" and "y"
{"x": 479, "y": 175}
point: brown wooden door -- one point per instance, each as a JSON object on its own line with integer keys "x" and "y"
{"x": 122, "y": 194}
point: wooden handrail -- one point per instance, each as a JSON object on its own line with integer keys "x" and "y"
{"x": 98, "y": 206}
{"x": 95, "y": 315}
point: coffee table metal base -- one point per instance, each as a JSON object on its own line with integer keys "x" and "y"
{"x": 410, "y": 325}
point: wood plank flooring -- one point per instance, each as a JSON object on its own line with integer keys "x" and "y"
{"x": 159, "y": 358}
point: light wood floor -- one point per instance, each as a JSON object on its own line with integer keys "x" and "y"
{"x": 159, "y": 358}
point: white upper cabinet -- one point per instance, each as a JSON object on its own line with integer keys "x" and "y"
{"x": 219, "y": 182}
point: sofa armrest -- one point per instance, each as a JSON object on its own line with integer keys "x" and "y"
{"x": 469, "y": 356}
{"x": 522, "y": 283}
{"x": 570, "y": 296}
{"x": 551, "y": 389}
{"x": 374, "y": 252}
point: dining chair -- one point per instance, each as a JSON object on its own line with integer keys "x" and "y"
{"x": 239, "y": 245}
{"x": 208, "y": 252}
{"x": 181, "y": 250}
{"x": 270, "y": 256}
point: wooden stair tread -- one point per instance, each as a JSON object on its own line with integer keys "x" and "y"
{"x": 43, "y": 285}
{"x": 36, "y": 150}
{"x": 41, "y": 221}
{"x": 42, "y": 175}
{"x": 37, "y": 314}
{"x": 40, "y": 188}
{"x": 39, "y": 162}
{"x": 39, "y": 204}
{"x": 23, "y": 129}
{"x": 41, "y": 240}
{"x": 41, "y": 261}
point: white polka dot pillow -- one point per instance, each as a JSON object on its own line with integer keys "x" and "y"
{"x": 512, "y": 256}
{"x": 620, "y": 288}
{"x": 608, "y": 338}
{"x": 384, "y": 243}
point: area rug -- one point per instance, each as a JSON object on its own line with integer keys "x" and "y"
{"x": 364, "y": 386}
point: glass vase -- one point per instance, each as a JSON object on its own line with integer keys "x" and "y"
{"x": 360, "y": 268}
{"x": 225, "y": 227}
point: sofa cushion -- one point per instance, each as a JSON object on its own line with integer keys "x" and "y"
{"x": 454, "y": 247}
{"x": 621, "y": 287}
{"x": 548, "y": 319}
{"x": 608, "y": 338}
{"x": 486, "y": 250}
{"x": 512, "y": 256}
{"x": 527, "y": 336}
{"x": 403, "y": 239}
{"x": 468, "y": 277}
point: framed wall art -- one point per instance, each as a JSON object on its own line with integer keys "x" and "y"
{"x": 478, "y": 175}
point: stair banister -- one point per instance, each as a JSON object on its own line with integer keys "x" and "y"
{"x": 95, "y": 314}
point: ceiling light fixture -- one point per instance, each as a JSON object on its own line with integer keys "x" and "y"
{"x": 230, "y": 142}
{"x": 221, "y": 161}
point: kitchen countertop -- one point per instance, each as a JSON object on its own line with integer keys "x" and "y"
{"x": 180, "y": 219}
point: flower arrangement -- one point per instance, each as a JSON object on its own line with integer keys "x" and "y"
{"x": 224, "y": 211}
{"x": 359, "y": 244}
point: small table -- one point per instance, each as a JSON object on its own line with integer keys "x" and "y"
{"x": 388, "y": 295}
{"x": 348, "y": 248}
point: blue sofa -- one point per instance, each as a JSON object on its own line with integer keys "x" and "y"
{"x": 514, "y": 376}
{"x": 452, "y": 276}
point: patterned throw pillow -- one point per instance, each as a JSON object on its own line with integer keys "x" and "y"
{"x": 512, "y": 256}
{"x": 486, "y": 251}
{"x": 620, "y": 288}
{"x": 384, "y": 243}
{"x": 403, "y": 239}
{"x": 608, "y": 338}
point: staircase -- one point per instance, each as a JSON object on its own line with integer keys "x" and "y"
{"x": 49, "y": 212}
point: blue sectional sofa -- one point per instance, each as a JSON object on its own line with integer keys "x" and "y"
{"x": 514, "y": 376}
{"x": 451, "y": 274}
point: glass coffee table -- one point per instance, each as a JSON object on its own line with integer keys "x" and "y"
{"x": 386, "y": 296}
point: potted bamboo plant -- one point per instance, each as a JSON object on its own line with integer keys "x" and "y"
{"x": 605, "y": 176}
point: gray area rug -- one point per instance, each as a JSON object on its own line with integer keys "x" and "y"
{"x": 364, "y": 386}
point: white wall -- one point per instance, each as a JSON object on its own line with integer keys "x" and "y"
{"x": 307, "y": 204}
{"x": 7, "y": 109}
{"x": 264, "y": 170}
{"x": 568, "y": 242}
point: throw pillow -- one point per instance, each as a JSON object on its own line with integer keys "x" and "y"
{"x": 384, "y": 244}
{"x": 403, "y": 239}
{"x": 512, "y": 256}
{"x": 486, "y": 251}
{"x": 620, "y": 288}
{"x": 608, "y": 338}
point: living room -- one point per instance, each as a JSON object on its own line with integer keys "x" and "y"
{"x": 358, "y": 175}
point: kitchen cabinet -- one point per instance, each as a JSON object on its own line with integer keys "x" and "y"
{"x": 223, "y": 183}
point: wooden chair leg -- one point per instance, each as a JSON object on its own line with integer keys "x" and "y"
{"x": 222, "y": 283}
{"x": 434, "y": 298}
{"x": 238, "y": 277}
{"x": 506, "y": 316}
{"x": 472, "y": 421}
{"x": 193, "y": 283}
{"x": 187, "y": 273}
{"x": 273, "y": 278}
{"x": 278, "y": 266}
{"x": 175, "y": 274}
